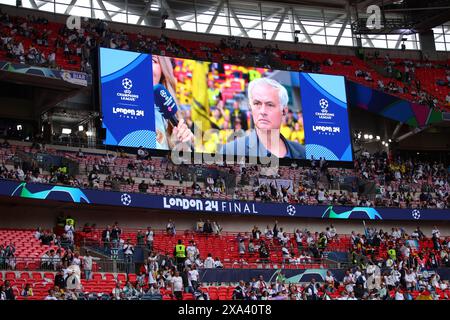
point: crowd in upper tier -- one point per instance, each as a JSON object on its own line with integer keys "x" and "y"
{"x": 37, "y": 41}
{"x": 394, "y": 182}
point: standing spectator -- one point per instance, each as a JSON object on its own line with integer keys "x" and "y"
{"x": 106, "y": 238}
{"x": 87, "y": 264}
{"x": 140, "y": 238}
{"x": 218, "y": 264}
{"x": 311, "y": 290}
{"x": 263, "y": 252}
{"x": 193, "y": 277}
{"x": 192, "y": 251}
{"x": 207, "y": 227}
{"x": 180, "y": 254}
{"x": 170, "y": 228}
{"x": 209, "y": 262}
{"x": 69, "y": 230}
{"x": 177, "y": 285}
{"x": 143, "y": 187}
{"x": 149, "y": 238}
{"x": 128, "y": 251}
{"x": 240, "y": 292}
{"x": 115, "y": 235}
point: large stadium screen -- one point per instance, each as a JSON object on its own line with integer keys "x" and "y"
{"x": 160, "y": 103}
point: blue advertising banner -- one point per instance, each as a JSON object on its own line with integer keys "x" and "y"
{"x": 74, "y": 77}
{"x": 324, "y": 105}
{"x": 127, "y": 98}
{"x": 142, "y": 200}
{"x": 290, "y": 275}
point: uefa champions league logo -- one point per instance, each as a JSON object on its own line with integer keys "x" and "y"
{"x": 290, "y": 210}
{"x": 126, "y": 199}
{"x": 416, "y": 214}
{"x": 323, "y": 103}
{"x": 127, "y": 84}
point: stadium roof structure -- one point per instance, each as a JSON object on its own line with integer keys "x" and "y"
{"x": 325, "y": 22}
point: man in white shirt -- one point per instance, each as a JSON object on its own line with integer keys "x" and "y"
{"x": 410, "y": 279}
{"x": 349, "y": 281}
{"x": 286, "y": 254}
{"x": 261, "y": 285}
{"x": 321, "y": 196}
{"x": 177, "y": 286}
{"x": 218, "y": 263}
{"x": 20, "y": 174}
{"x": 149, "y": 238}
{"x": 283, "y": 238}
{"x": 332, "y": 231}
{"x": 398, "y": 295}
{"x": 128, "y": 251}
{"x": 69, "y": 230}
{"x": 209, "y": 262}
{"x": 192, "y": 251}
{"x": 51, "y": 295}
{"x": 329, "y": 279}
{"x": 37, "y": 234}
{"x": 436, "y": 232}
{"x": 193, "y": 277}
{"x": 87, "y": 265}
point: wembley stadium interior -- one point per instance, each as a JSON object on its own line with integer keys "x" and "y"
{"x": 95, "y": 204}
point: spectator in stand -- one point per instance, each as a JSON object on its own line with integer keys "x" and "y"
{"x": 149, "y": 237}
{"x": 87, "y": 264}
{"x": 192, "y": 251}
{"x": 80, "y": 154}
{"x": 207, "y": 227}
{"x": 240, "y": 292}
{"x": 51, "y": 295}
{"x": 177, "y": 286}
{"x": 209, "y": 262}
{"x": 106, "y": 238}
{"x": 27, "y": 291}
{"x": 170, "y": 228}
{"x": 8, "y": 291}
{"x": 143, "y": 187}
{"x": 115, "y": 235}
{"x": 180, "y": 254}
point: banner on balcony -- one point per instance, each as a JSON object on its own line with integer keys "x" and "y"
{"x": 211, "y": 206}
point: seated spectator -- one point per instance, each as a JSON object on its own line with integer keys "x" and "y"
{"x": 80, "y": 154}
{"x": 217, "y": 263}
{"x": 27, "y": 291}
{"x": 143, "y": 187}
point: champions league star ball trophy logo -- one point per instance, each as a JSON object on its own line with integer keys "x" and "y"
{"x": 290, "y": 210}
{"x": 126, "y": 199}
{"x": 127, "y": 84}
{"x": 416, "y": 214}
{"x": 323, "y": 103}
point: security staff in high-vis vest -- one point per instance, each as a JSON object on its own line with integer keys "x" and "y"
{"x": 179, "y": 253}
{"x": 392, "y": 254}
{"x": 70, "y": 221}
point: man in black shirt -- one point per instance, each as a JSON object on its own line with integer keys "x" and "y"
{"x": 240, "y": 292}
{"x": 207, "y": 227}
{"x": 59, "y": 280}
{"x": 9, "y": 293}
{"x": 143, "y": 187}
